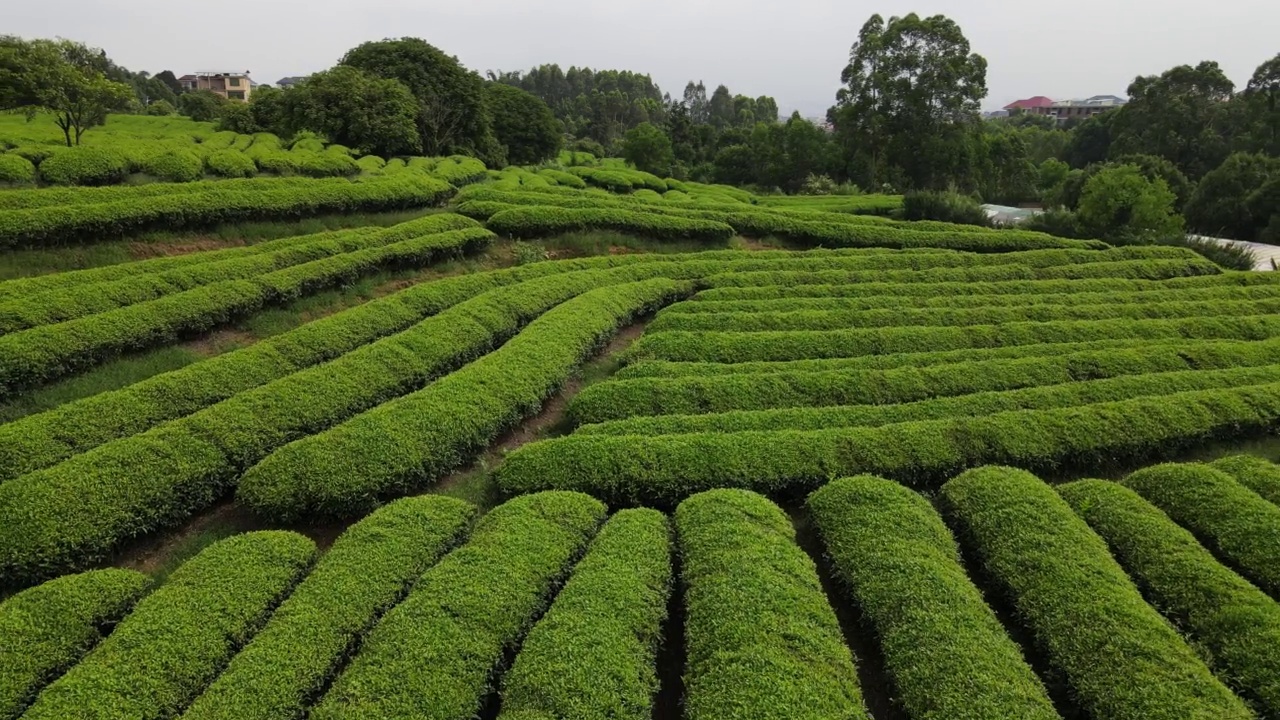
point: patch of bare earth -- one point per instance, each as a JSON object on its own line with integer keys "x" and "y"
{"x": 147, "y": 250}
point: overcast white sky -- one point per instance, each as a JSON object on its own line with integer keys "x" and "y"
{"x": 793, "y": 50}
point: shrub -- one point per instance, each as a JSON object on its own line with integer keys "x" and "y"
{"x": 945, "y": 206}
{"x": 607, "y": 179}
{"x": 663, "y": 469}
{"x": 433, "y": 654}
{"x": 1253, "y": 472}
{"x": 16, "y": 170}
{"x": 367, "y": 571}
{"x": 1220, "y": 204}
{"x": 180, "y": 637}
{"x": 394, "y": 447}
{"x": 593, "y": 654}
{"x": 371, "y": 163}
{"x": 1230, "y": 519}
{"x": 85, "y": 165}
{"x": 563, "y": 178}
{"x": 1238, "y": 624}
{"x": 1121, "y": 203}
{"x": 936, "y": 633}
{"x": 459, "y": 170}
{"x": 325, "y": 164}
{"x": 762, "y": 641}
{"x": 1118, "y": 656}
{"x": 48, "y": 628}
{"x": 179, "y": 166}
{"x": 534, "y": 222}
{"x": 230, "y": 163}
{"x": 37, "y": 154}
{"x": 161, "y": 108}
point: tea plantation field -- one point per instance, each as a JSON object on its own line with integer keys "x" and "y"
{"x": 763, "y": 458}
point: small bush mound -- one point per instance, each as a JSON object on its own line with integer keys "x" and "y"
{"x": 231, "y": 164}
{"x": 945, "y": 206}
{"x": 175, "y": 166}
{"x": 85, "y": 166}
{"x": 326, "y": 164}
{"x": 1254, "y": 473}
{"x": 536, "y": 222}
{"x": 38, "y": 153}
{"x": 371, "y": 163}
{"x": 16, "y": 170}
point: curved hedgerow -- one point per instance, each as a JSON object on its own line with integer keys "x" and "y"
{"x": 177, "y": 166}
{"x": 16, "y": 170}
{"x": 1216, "y": 608}
{"x": 612, "y": 181}
{"x": 1253, "y": 472}
{"x": 230, "y": 164}
{"x": 367, "y": 571}
{"x": 179, "y": 637}
{"x": 563, "y": 178}
{"x": 432, "y": 656}
{"x": 536, "y": 222}
{"x": 1119, "y": 658}
{"x": 593, "y": 655}
{"x": 621, "y": 399}
{"x": 325, "y": 164}
{"x": 1230, "y": 519}
{"x": 85, "y": 165}
{"x": 48, "y": 628}
{"x": 418, "y": 437}
{"x": 1072, "y": 394}
{"x": 948, "y": 655}
{"x": 660, "y": 470}
{"x": 762, "y": 641}
{"x": 30, "y": 199}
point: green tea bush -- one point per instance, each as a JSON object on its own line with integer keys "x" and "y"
{"x": 30, "y": 199}
{"x": 563, "y": 178}
{"x": 279, "y": 162}
{"x": 325, "y": 164}
{"x": 48, "y": 628}
{"x": 535, "y": 222}
{"x": 1119, "y": 658}
{"x": 1229, "y": 518}
{"x": 85, "y": 165}
{"x": 399, "y": 445}
{"x": 661, "y": 470}
{"x": 434, "y": 654}
{"x": 459, "y": 170}
{"x": 177, "y": 639}
{"x": 230, "y": 163}
{"x": 948, "y": 655}
{"x": 178, "y": 166}
{"x": 371, "y": 163}
{"x": 307, "y": 142}
{"x": 37, "y": 154}
{"x": 1253, "y": 472}
{"x": 614, "y": 182}
{"x": 16, "y": 170}
{"x": 368, "y": 570}
{"x": 593, "y": 654}
{"x": 1216, "y": 608}
{"x": 762, "y": 641}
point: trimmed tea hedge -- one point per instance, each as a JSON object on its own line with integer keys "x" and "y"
{"x": 1120, "y": 659}
{"x": 392, "y": 448}
{"x": 84, "y": 165}
{"x": 621, "y": 399}
{"x": 536, "y": 222}
{"x": 1229, "y": 518}
{"x": 775, "y": 346}
{"x": 367, "y": 571}
{"x": 16, "y": 170}
{"x": 204, "y": 206}
{"x": 1237, "y": 623}
{"x": 179, "y": 637}
{"x": 432, "y": 655}
{"x": 948, "y": 655}
{"x": 47, "y": 352}
{"x": 176, "y": 166}
{"x": 48, "y": 628}
{"x": 230, "y": 163}
{"x": 985, "y": 403}
{"x": 1254, "y": 473}
{"x": 763, "y": 644}
{"x": 592, "y": 656}
{"x": 663, "y": 469}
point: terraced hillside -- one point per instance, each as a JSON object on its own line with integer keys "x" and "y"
{"x": 789, "y": 461}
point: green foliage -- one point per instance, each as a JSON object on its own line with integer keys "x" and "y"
{"x": 367, "y": 571}
{"x": 85, "y": 166}
{"x": 389, "y": 450}
{"x": 593, "y": 655}
{"x": 1180, "y": 115}
{"x": 230, "y": 163}
{"x": 1220, "y": 204}
{"x": 202, "y": 105}
{"x": 1120, "y": 202}
{"x": 161, "y": 108}
{"x": 179, "y": 166}
{"x": 432, "y": 655}
{"x": 564, "y": 178}
{"x": 62, "y": 78}
{"x": 1154, "y": 167}
{"x": 352, "y": 107}
{"x": 762, "y": 641}
{"x": 648, "y": 148}
{"x": 16, "y": 170}
{"x": 48, "y": 628}
{"x": 1237, "y": 623}
{"x": 1253, "y": 472}
{"x": 949, "y": 207}
{"x": 947, "y": 653}
{"x": 536, "y": 222}
{"x": 523, "y": 123}
{"x": 1119, "y": 658}
{"x": 1230, "y": 519}
{"x": 180, "y": 637}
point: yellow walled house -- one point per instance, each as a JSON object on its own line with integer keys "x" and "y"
{"x": 230, "y": 85}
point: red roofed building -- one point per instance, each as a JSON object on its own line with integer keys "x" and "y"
{"x": 1038, "y": 105}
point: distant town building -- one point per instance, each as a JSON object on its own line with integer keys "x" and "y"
{"x": 1064, "y": 110}
{"x": 288, "y": 82}
{"x": 230, "y": 85}
{"x": 1031, "y": 106}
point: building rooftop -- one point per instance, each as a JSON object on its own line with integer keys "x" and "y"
{"x": 1038, "y": 101}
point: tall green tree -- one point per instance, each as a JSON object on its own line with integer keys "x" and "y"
{"x": 720, "y": 108}
{"x": 1220, "y": 205}
{"x": 1122, "y": 203}
{"x": 62, "y": 78}
{"x": 648, "y": 148}
{"x": 362, "y": 111}
{"x": 1090, "y": 141}
{"x": 1262, "y": 99}
{"x": 1181, "y": 115}
{"x": 523, "y": 123}
{"x": 202, "y": 105}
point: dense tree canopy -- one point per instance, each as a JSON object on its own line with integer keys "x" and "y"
{"x": 523, "y": 124}
{"x": 648, "y": 148}
{"x": 350, "y": 107}
{"x": 63, "y": 78}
